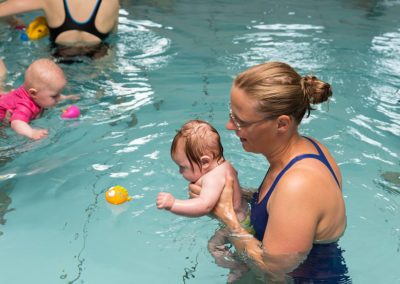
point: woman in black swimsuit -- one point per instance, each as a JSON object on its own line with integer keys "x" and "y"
{"x": 75, "y": 26}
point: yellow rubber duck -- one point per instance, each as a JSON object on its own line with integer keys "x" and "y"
{"x": 117, "y": 195}
{"x": 37, "y": 28}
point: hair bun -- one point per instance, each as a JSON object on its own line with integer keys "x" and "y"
{"x": 316, "y": 91}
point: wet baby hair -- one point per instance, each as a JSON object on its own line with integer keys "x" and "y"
{"x": 200, "y": 138}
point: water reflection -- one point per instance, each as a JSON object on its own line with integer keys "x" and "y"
{"x": 122, "y": 138}
{"x": 390, "y": 181}
{"x": 290, "y": 42}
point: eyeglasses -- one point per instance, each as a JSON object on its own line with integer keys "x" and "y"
{"x": 240, "y": 123}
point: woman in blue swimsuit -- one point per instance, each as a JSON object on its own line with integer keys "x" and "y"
{"x": 298, "y": 211}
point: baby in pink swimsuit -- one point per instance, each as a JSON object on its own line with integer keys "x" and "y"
{"x": 43, "y": 84}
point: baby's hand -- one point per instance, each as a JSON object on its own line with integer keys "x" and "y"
{"x": 38, "y": 134}
{"x": 165, "y": 201}
{"x": 74, "y": 97}
{"x": 71, "y": 97}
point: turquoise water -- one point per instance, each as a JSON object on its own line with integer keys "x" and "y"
{"x": 173, "y": 61}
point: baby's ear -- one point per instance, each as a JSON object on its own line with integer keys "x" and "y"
{"x": 205, "y": 162}
{"x": 32, "y": 92}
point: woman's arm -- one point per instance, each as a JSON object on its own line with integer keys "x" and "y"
{"x": 266, "y": 256}
{"x": 243, "y": 241}
{"x": 3, "y": 70}
{"x": 13, "y": 7}
{"x": 294, "y": 210}
{"x": 3, "y": 73}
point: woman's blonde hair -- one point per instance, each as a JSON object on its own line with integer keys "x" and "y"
{"x": 200, "y": 138}
{"x": 280, "y": 90}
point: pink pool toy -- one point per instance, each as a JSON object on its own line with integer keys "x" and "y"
{"x": 71, "y": 112}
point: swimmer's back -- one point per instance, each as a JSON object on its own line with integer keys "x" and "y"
{"x": 105, "y": 22}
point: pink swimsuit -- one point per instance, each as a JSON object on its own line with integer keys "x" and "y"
{"x": 19, "y": 104}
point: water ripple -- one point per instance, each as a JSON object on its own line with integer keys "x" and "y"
{"x": 283, "y": 42}
{"x": 357, "y": 134}
{"x": 388, "y": 43}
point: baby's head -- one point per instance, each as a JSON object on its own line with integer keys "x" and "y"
{"x": 44, "y": 81}
{"x": 196, "y": 148}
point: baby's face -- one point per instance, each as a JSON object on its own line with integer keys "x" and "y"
{"x": 48, "y": 97}
{"x": 183, "y": 163}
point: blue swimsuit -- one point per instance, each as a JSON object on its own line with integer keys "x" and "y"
{"x": 325, "y": 261}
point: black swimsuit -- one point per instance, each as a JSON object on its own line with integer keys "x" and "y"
{"x": 70, "y": 24}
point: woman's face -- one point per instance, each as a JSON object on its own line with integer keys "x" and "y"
{"x": 252, "y": 129}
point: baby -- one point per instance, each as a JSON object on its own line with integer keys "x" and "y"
{"x": 43, "y": 84}
{"x": 198, "y": 152}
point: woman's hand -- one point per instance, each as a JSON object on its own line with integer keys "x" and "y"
{"x": 224, "y": 208}
{"x": 248, "y": 193}
{"x": 194, "y": 190}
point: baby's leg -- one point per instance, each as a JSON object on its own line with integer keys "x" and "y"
{"x": 219, "y": 247}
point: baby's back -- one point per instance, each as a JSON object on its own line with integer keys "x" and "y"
{"x": 239, "y": 204}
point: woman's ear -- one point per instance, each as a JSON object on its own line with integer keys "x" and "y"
{"x": 205, "y": 162}
{"x": 283, "y": 123}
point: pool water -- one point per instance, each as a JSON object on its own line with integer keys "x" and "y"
{"x": 172, "y": 61}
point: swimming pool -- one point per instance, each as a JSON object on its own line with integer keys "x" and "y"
{"x": 173, "y": 61}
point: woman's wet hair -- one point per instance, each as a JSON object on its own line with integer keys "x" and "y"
{"x": 200, "y": 138}
{"x": 280, "y": 90}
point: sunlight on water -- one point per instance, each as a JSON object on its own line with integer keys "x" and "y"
{"x": 175, "y": 61}
{"x": 270, "y": 42}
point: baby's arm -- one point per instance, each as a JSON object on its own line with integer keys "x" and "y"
{"x": 23, "y": 128}
{"x": 165, "y": 200}
{"x": 71, "y": 97}
{"x": 195, "y": 207}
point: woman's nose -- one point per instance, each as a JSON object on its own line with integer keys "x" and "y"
{"x": 230, "y": 125}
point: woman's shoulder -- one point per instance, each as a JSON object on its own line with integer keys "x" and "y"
{"x": 323, "y": 148}
{"x": 308, "y": 183}
{"x": 329, "y": 157}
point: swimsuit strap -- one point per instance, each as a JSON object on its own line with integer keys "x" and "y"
{"x": 93, "y": 16}
{"x": 321, "y": 157}
{"x": 71, "y": 24}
